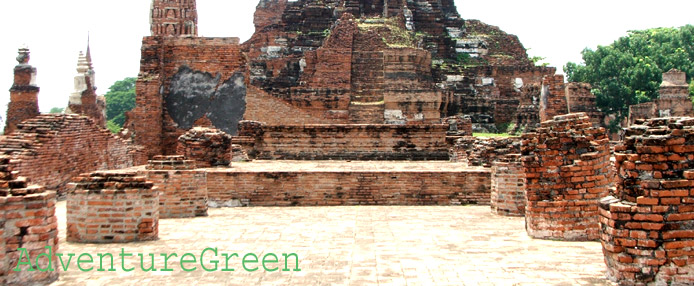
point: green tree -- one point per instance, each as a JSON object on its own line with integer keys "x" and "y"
{"x": 629, "y": 71}
{"x": 120, "y": 98}
{"x": 56, "y": 110}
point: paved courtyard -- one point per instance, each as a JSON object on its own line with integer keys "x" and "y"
{"x": 350, "y": 246}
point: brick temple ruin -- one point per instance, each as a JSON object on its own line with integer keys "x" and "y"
{"x": 340, "y": 103}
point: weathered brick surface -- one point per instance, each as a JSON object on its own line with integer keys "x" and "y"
{"x": 673, "y": 101}
{"x": 182, "y": 188}
{"x": 553, "y": 99}
{"x": 326, "y": 188}
{"x": 528, "y": 116}
{"x": 174, "y": 18}
{"x": 347, "y": 142}
{"x": 567, "y": 167}
{"x": 581, "y": 99}
{"x": 208, "y": 147}
{"x": 508, "y": 188}
{"x": 51, "y": 149}
{"x": 482, "y": 151}
{"x": 207, "y": 62}
{"x": 24, "y": 101}
{"x": 27, "y": 220}
{"x": 646, "y": 225}
{"x": 112, "y": 206}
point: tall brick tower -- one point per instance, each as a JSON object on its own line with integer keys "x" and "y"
{"x": 24, "y": 94}
{"x": 174, "y": 18}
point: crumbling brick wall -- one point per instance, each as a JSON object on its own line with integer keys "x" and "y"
{"x": 508, "y": 187}
{"x": 112, "y": 207}
{"x": 51, "y": 149}
{"x": 27, "y": 220}
{"x": 347, "y": 142}
{"x": 581, "y": 99}
{"x": 208, "y": 147}
{"x": 335, "y": 188}
{"x": 567, "y": 167}
{"x": 182, "y": 188}
{"x": 184, "y": 80}
{"x": 647, "y": 225}
{"x": 483, "y": 151}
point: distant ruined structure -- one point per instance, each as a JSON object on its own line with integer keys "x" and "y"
{"x": 326, "y": 62}
{"x": 674, "y": 100}
{"x": 24, "y": 94}
{"x": 84, "y": 100}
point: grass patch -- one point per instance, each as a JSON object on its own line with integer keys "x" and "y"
{"x": 493, "y": 135}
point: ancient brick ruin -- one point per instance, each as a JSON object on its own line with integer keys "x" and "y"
{"x": 182, "y": 188}
{"x": 646, "y": 225}
{"x": 207, "y": 147}
{"x": 334, "y": 62}
{"x": 66, "y": 146}
{"x": 346, "y": 142}
{"x": 24, "y": 101}
{"x": 483, "y": 152}
{"x": 508, "y": 196}
{"x": 275, "y": 183}
{"x": 673, "y": 101}
{"x": 112, "y": 206}
{"x": 567, "y": 167}
{"x": 84, "y": 100}
{"x": 28, "y": 221}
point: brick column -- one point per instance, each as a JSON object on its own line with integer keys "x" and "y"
{"x": 567, "y": 166}
{"x": 508, "y": 188}
{"x": 24, "y": 100}
{"x": 647, "y": 226}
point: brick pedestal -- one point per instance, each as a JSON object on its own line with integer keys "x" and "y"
{"x": 647, "y": 226}
{"x": 208, "y": 147}
{"x": 113, "y": 206}
{"x": 508, "y": 189}
{"x": 567, "y": 166}
{"x": 183, "y": 190}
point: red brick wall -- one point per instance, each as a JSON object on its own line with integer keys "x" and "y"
{"x": 646, "y": 226}
{"x": 182, "y": 188}
{"x": 482, "y": 152}
{"x": 27, "y": 220}
{"x": 348, "y": 188}
{"x": 162, "y": 57}
{"x": 349, "y": 142}
{"x": 52, "y": 149}
{"x": 112, "y": 207}
{"x": 567, "y": 167}
{"x": 508, "y": 189}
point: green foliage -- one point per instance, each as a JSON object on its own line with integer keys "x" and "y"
{"x": 463, "y": 57}
{"x": 629, "y": 71}
{"x": 57, "y": 110}
{"x": 113, "y": 127}
{"x": 119, "y": 99}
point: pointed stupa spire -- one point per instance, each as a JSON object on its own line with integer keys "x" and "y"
{"x": 89, "y": 53}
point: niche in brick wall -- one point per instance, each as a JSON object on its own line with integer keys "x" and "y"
{"x": 193, "y": 95}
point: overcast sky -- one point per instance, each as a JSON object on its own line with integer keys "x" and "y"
{"x": 56, "y": 31}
